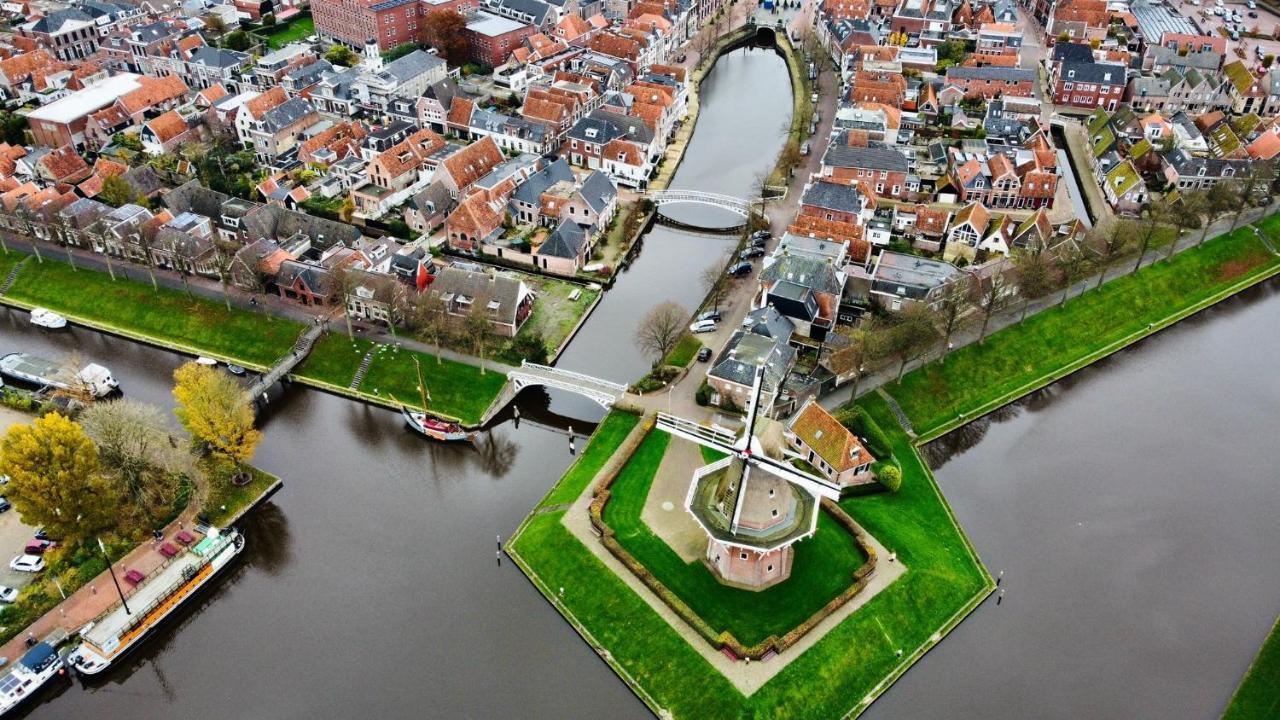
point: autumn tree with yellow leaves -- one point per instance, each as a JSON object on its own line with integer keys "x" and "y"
{"x": 215, "y": 410}
{"x": 55, "y": 478}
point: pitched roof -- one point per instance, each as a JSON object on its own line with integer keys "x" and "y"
{"x": 167, "y": 126}
{"x": 829, "y": 439}
{"x": 64, "y": 165}
{"x": 153, "y": 92}
{"x": 473, "y": 162}
{"x": 832, "y": 196}
{"x": 264, "y": 102}
{"x": 876, "y": 158}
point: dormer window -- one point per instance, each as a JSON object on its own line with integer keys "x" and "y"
{"x": 1071, "y": 73}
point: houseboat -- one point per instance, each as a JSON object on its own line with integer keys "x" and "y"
{"x": 32, "y": 672}
{"x": 47, "y": 319}
{"x": 94, "y": 378}
{"x": 111, "y": 635}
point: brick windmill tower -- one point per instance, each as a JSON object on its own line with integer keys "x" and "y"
{"x": 752, "y": 507}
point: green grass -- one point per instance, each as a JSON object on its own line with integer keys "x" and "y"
{"x": 823, "y": 565}
{"x": 281, "y": 34}
{"x": 684, "y": 351}
{"x": 1013, "y": 360}
{"x": 1258, "y": 696}
{"x": 841, "y": 672}
{"x": 604, "y": 442}
{"x": 235, "y": 499}
{"x": 334, "y": 359}
{"x": 554, "y": 314}
{"x": 454, "y": 388}
{"x": 169, "y": 316}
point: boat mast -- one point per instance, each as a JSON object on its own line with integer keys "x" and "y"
{"x": 422, "y": 386}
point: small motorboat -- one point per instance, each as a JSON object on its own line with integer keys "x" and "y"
{"x": 48, "y": 319}
{"x": 434, "y": 427}
{"x": 235, "y": 369}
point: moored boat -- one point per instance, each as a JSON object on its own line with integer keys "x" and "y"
{"x": 48, "y": 319}
{"x": 434, "y": 428}
{"x": 33, "y": 671}
{"x": 94, "y": 378}
{"x": 111, "y": 635}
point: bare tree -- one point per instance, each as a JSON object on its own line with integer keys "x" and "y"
{"x": 1190, "y": 209}
{"x": 1034, "y": 277}
{"x": 956, "y": 300}
{"x": 134, "y": 440}
{"x": 713, "y": 283}
{"x": 144, "y": 248}
{"x": 428, "y": 316}
{"x": 1224, "y": 197}
{"x": 867, "y": 344}
{"x": 1109, "y": 243}
{"x": 1071, "y": 262}
{"x": 990, "y": 295}
{"x": 476, "y": 327}
{"x": 1259, "y": 177}
{"x": 1158, "y": 212}
{"x": 913, "y": 332}
{"x": 660, "y": 330}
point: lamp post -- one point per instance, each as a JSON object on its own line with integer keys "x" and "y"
{"x": 112, "y": 569}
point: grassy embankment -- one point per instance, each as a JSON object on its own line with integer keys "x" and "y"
{"x": 841, "y": 673}
{"x": 200, "y": 326}
{"x": 1258, "y": 696}
{"x": 823, "y": 565}
{"x": 1056, "y": 342}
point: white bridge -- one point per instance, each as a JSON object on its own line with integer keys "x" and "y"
{"x": 604, "y": 392}
{"x": 733, "y": 204}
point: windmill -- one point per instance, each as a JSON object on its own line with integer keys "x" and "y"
{"x": 753, "y": 507}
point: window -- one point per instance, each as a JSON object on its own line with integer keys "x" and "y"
{"x": 774, "y": 512}
{"x": 742, "y": 556}
{"x": 769, "y": 569}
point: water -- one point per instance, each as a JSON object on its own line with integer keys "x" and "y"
{"x": 746, "y": 103}
{"x": 369, "y": 586}
{"x": 1133, "y": 510}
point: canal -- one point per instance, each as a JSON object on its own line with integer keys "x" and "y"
{"x": 370, "y": 585}
{"x": 745, "y": 108}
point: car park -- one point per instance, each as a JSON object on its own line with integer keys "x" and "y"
{"x": 740, "y": 269}
{"x": 27, "y": 563}
{"x": 704, "y": 354}
{"x": 8, "y": 594}
{"x": 702, "y": 326}
{"x": 712, "y": 315}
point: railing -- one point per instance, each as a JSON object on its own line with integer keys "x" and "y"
{"x": 569, "y": 374}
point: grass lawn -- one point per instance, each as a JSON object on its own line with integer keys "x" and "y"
{"x": 842, "y": 672}
{"x": 334, "y": 359}
{"x": 1019, "y": 358}
{"x": 236, "y": 499}
{"x": 823, "y": 565}
{"x": 7, "y": 261}
{"x": 1258, "y": 696}
{"x": 604, "y": 442}
{"x": 281, "y": 34}
{"x": 684, "y": 351}
{"x": 554, "y": 314}
{"x": 166, "y": 315}
{"x": 454, "y": 388}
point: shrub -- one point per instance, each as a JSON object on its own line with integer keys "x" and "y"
{"x": 890, "y": 477}
{"x": 703, "y": 395}
{"x": 531, "y": 347}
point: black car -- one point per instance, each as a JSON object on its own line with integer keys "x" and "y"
{"x": 740, "y": 269}
{"x": 4, "y": 504}
{"x": 704, "y": 354}
{"x": 754, "y": 251}
{"x": 761, "y": 235}
{"x": 712, "y": 315}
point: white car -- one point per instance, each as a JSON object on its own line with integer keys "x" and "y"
{"x": 703, "y": 326}
{"x": 1251, "y": 5}
{"x": 45, "y": 318}
{"x": 27, "y": 563}
{"x": 8, "y": 594}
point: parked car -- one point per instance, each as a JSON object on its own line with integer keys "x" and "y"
{"x": 814, "y": 98}
{"x": 1235, "y": 35}
{"x": 27, "y": 563}
{"x": 8, "y": 594}
{"x": 704, "y": 354}
{"x": 804, "y": 149}
{"x": 740, "y": 269}
{"x": 1251, "y": 5}
{"x": 761, "y": 235}
{"x": 712, "y": 315}
{"x": 702, "y": 326}
{"x": 5, "y": 504}
{"x": 41, "y": 534}
{"x": 37, "y": 546}
{"x": 751, "y": 252}
{"x": 1253, "y": 14}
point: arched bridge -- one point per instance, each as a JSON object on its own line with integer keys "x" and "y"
{"x": 733, "y": 204}
{"x": 604, "y": 392}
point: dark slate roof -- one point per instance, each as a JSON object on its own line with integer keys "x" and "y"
{"x": 609, "y": 126}
{"x": 442, "y": 91}
{"x": 767, "y": 321}
{"x": 991, "y": 73}
{"x": 194, "y": 197}
{"x": 805, "y": 271}
{"x": 1072, "y": 52}
{"x": 875, "y": 158}
{"x": 1092, "y": 72}
{"x": 533, "y": 12}
{"x": 503, "y": 287}
{"x": 143, "y": 180}
{"x": 155, "y": 31}
{"x": 565, "y": 242}
{"x": 1189, "y": 165}
{"x": 530, "y": 191}
{"x": 411, "y": 66}
{"x": 54, "y": 21}
{"x": 743, "y": 354}
{"x": 434, "y": 198}
{"x": 272, "y": 221}
{"x": 217, "y": 57}
{"x": 598, "y": 190}
{"x": 833, "y": 196}
{"x": 286, "y": 113}
{"x": 307, "y": 74}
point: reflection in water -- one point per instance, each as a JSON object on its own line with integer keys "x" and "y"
{"x": 269, "y": 544}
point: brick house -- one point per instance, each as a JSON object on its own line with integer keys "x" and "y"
{"x": 990, "y": 81}
{"x": 1088, "y": 84}
{"x": 882, "y": 169}
{"x": 818, "y": 439}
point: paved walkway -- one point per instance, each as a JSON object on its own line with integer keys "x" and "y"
{"x": 747, "y": 677}
{"x": 99, "y": 594}
{"x": 664, "y": 512}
